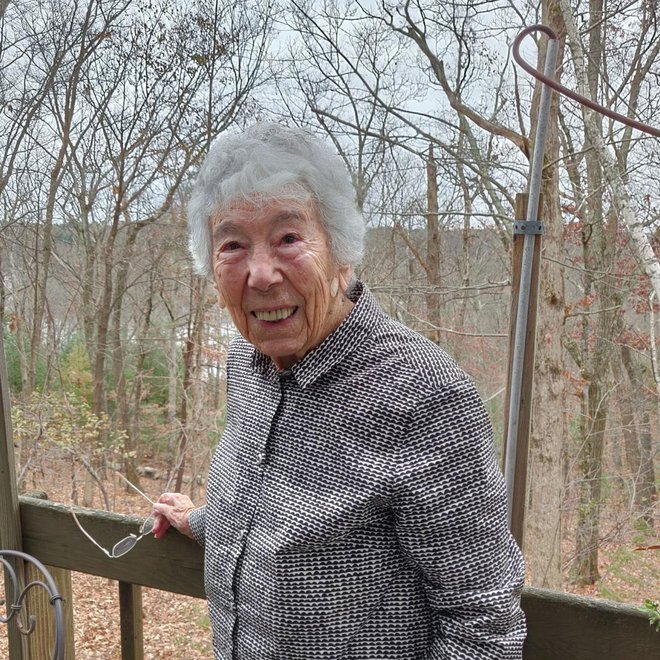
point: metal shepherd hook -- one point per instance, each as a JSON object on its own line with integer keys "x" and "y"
{"x": 531, "y": 227}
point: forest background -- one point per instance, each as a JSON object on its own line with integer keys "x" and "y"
{"x": 116, "y": 348}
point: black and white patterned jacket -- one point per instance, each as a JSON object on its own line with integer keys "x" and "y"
{"x": 355, "y": 510}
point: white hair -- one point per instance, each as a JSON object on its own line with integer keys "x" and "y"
{"x": 269, "y": 161}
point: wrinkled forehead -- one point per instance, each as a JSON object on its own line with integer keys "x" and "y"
{"x": 262, "y": 193}
{"x": 285, "y": 205}
{"x": 265, "y": 208}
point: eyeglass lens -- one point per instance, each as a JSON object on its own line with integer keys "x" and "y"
{"x": 125, "y": 545}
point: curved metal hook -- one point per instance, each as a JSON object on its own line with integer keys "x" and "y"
{"x": 9, "y": 574}
{"x": 550, "y": 82}
{"x": 32, "y": 620}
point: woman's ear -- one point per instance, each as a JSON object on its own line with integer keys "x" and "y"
{"x": 221, "y": 300}
{"x": 345, "y": 272}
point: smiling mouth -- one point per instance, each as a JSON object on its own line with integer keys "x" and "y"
{"x": 275, "y": 314}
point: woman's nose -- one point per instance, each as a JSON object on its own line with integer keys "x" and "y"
{"x": 264, "y": 271}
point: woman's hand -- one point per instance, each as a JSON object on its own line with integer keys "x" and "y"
{"x": 172, "y": 509}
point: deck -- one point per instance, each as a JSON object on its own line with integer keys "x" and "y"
{"x": 561, "y": 626}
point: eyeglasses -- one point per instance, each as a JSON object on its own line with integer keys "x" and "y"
{"x": 124, "y": 546}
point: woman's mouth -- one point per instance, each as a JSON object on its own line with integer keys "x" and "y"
{"x": 275, "y": 314}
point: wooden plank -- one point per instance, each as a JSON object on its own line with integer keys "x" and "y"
{"x": 10, "y": 530}
{"x": 41, "y": 642}
{"x": 130, "y": 615}
{"x": 566, "y": 626}
{"x": 527, "y": 382}
{"x": 174, "y": 563}
{"x": 38, "y": 603}
{"x": 560, "y": 625}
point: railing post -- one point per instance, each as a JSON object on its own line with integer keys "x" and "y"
{"x": 40, "y": 643}
{"x": 10, "y": 523}
{"x": 130, "y": 615}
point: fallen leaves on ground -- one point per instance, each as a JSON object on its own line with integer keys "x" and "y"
{"x": 174, "y": 626}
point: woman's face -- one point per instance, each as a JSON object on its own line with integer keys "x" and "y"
{"x": 274, "y": 270}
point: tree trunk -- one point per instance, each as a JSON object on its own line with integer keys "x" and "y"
{"x": 42, "y": 265}
{"x": 468, "y": 195}
{"x": 87, "y": 285}
{"x": 172, "y": 387}
{"x": 591, "y": 473}
{"x": 433, "y": 298}
{"x": 103, "y": 315}
{"x": 545, "y": 495}
{"x": 99, "y": 403}
{"x": 122, "y": 416}
{"x": 143, "y": 350}
{"x": 45, "y": 251}
{"x": 630, "y": 445}
{"x": 645, "y": 489}
{"x": 599, "y": 251}
{"x": 197, "y": 309}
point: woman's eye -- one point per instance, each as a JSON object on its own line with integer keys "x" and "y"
{"x": 289, "y": 239}
{"x": 231, "y": 246}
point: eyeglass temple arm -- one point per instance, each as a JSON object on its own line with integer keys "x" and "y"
{"x": 135, "y": 488}
{"x": 88, "y": 535}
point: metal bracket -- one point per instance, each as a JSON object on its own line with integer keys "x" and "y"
{"x": 533, "y": 227}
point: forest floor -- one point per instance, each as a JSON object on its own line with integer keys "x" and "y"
{"x": 177, "y": 626}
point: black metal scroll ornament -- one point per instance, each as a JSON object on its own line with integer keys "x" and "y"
{"x": 17, "y": 599}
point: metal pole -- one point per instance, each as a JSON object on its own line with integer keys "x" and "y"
{"x": 525, "y": 276}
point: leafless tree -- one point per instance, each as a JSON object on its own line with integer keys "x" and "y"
{"x": 123, "y": 102}
{"x": 611, "y": 65}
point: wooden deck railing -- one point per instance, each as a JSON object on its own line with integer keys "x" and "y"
{"x": 561, "y": 626}
{"x": 173, "y": 564}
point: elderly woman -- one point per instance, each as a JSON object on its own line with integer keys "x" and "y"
{"x": 354, "y": 506}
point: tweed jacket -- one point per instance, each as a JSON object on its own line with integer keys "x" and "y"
{"x": 355, "y": 510}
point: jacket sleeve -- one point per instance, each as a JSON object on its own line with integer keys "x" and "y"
{"x": 450, "y": 512}
{"x": 197, "y": 522}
